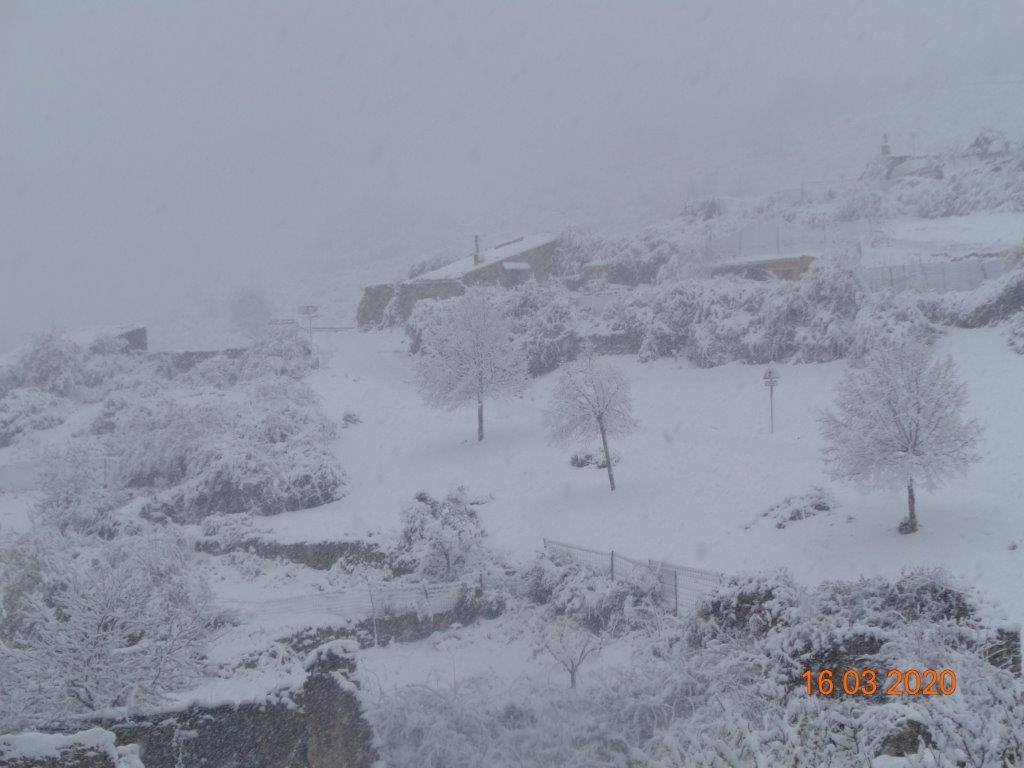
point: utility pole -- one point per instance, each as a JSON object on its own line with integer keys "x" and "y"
{"x": 476, "y": 250}
{"x": 309, "y": 311}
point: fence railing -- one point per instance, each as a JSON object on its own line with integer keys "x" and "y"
{"x": 682, "y": 587}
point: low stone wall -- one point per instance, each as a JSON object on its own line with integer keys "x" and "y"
{"x": 94, "y": 748}
{"x": 321, "y": 555}
{"x": 319, "y": 726}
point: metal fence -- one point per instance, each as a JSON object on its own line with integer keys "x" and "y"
{"x": 936, "y": 276}
{"x": 682, "y": 587}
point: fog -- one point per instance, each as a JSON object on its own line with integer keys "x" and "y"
{"x": 152, "y": 152}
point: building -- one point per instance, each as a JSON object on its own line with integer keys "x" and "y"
{"x": 507, "y": 265}
{"x": 783, "y": 267}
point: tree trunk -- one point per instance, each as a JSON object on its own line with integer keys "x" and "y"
{"x": 479, "y": 419}
{"x": 911, "y": 507}
{"x": 572, "y": 677}
{"x": 607, "y": 453}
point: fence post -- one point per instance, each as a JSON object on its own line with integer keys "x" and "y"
{"x": 613, "y": 565}
{"x": 675, "y": 588}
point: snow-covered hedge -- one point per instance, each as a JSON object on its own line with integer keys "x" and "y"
{"x": 726, "y": 318}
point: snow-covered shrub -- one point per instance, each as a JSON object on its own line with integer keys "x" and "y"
{"x": 284, "y": 352}
{"x": 544, "y": 323}
{"x": 78, "y": 491}
{"x": 442, "y": 538}
{"x": 52, "y": 364}
{"x": 593, "y": 458}
{"x": 28, "y": 409}
{"x": 219, "y": 372}
{"x": 725, "y": 318}
{"x": 795, "y": 508}
{"x": 111, "y": 625}
{"x": 889, "y": 319}
{"x": 594, "y": 600}
{"x": 263, "y": 448}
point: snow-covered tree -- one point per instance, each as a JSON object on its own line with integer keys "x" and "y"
{"x": 468, "y": 355}
{"x": 589, "y": 398}
{"x": 87, "y": 627}
{"x": 568, "y": 643}
{"x": 899, "y": 422}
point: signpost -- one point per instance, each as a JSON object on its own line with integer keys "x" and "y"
{"x": 310, "y": 311}
{"x": 771, "y": 378}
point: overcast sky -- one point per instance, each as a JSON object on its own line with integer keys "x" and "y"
{"x": 146, "y": 148}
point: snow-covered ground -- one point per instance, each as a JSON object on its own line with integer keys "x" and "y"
{"x": 694, "y": 476}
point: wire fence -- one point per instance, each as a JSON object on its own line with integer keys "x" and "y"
{"x": 936, "y": 276}
{"x": 682, "y": 587}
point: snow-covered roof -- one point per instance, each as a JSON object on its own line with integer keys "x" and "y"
{"x": 511, "y": 249}
{"x": 83, "y": 337}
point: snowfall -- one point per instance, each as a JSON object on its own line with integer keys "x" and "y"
{"x": 692, "y": 485}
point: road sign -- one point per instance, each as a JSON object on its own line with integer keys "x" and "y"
{"x": 771, "y": 378}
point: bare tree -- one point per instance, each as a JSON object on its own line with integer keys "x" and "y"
{"x": 899, "y": 422}
{"x": 469, "y": 354}
{"x": 590, "y": 398}
{"x": 568, "y": 643}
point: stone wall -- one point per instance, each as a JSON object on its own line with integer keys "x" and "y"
{"x": 320, "y": 725}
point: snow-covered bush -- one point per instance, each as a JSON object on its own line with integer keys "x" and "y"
{"x": 27, "y": 409}
{"x": 442, "y": 538}
{"x": 721, "y": 319}
{"x": 283, "y": 352}
{"x": 594, "y": 600}
{"x": 99, "y": 626}
{"x": 794, "y": 508}
{"x": 263, "y": 448}
{"x": 544, "y": 323}
{"x": 889, "y": 319}
{"x": 52, "y": 364}
{"x": 78, "y": 491}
